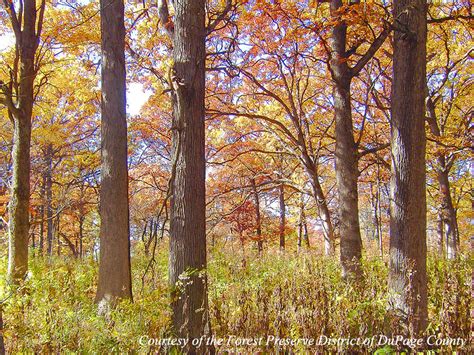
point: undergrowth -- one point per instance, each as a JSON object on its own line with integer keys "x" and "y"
{"x": 284, "y": 295}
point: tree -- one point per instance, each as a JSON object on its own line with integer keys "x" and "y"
{"x": 447, "y": 115}
{"x": 346, "y": 151}
{"x": 18, "y": 95}
{"x": 114, "y": 267}
{"x": 188, "y": 204}
{"x": 407, "y": 279}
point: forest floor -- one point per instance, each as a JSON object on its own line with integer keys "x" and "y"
{"x": 287, "y": 296}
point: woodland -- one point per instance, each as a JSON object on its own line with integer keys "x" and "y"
{"x": 239, "y": 170}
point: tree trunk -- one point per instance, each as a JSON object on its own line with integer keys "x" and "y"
{"x": 33, "y": 240}
{"x": 323, "y": 211}
{"x": 302, "y": 226}
{"x": 305, "y": 231}
{"x": 57, "y": 228}
{"x": 258, "y": 218}
{"x": 408, "y": 280}
{"x": 42, "y": 216}
{"x": 377, "y": 228}
{"x": 2, "y": 343}
{"x": 440, "y": 233}
{"x": 187, "y": 267}
{"x": 281, "y": 196}
{"x": 448, "y": 213}
{"x": 448, "y": 218}
{"x": 27, "y": 39}
{"x": 114, "y": 266}
{"x": 48, "y": 187}
{"x": 19, "y": 201}
{"x": 81, "y": 236}
{"x": 347, "y": 172}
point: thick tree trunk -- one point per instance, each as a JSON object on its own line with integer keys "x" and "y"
{"x": 188, "y": 206}
{"x": 408, "y": 280}
{"x": 258, "y": 218}
{"x": 114, "y": 265}
{"x": 281, "y": 197}
{"x": 27, "y": 40}
{"x": 346, "y": 151}
{"x": 20, "y": 195}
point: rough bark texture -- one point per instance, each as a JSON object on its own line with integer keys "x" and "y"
{"x": 114, "y": 265}
{"x": 187, "y": 268}
{"x": 407, "y": 281}
{"x": 27, "y": 39}
{"x": 347, "y": 171}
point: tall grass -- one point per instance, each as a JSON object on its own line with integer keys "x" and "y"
{"x": 282, "y": 295}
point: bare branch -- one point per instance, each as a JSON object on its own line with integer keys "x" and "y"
{"x": 376, "y": 44}
{"x": 212, "y": 26}
{"x": 10, "y": 8}
{"x": 450, "y": 18}
{"x": 373, "y": 150}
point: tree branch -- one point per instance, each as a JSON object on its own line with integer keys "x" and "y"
{"x": 212, "y": 26}
{"x": 164, "y": 15}
{"x": 450, "y": 18}
{"x": 376, "y": 44}
{"x": 7, "y": 99}
{"x": 372, "y": 150}
{"x": 10, "y": 8}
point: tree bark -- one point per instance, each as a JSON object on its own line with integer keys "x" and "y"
{"x": 2, "y": 342}
{"x": 258, "y": 218}
{"x": 447, "y": 214}
{"x": 447, "y": 210}
{"x": 323, "y": 211}
{"x": 347, "y": 172}
{"x": 27, "y": 40}
{"x": 48, "y": 187}
{"x": 81, "y": 236}
{"x": 302, "y": 226}
{"x": 42, "y": 215}
{"x": 58, "y": 233}
{"x": 407, "y": 278}
{"x": 114, "y": 266}
{"x": 187, "y": 267}
{"x": 281, "y": 196}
